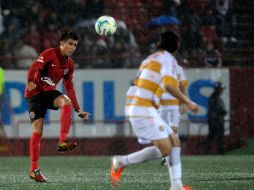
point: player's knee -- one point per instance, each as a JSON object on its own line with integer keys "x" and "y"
{"x": 164, "y": 146}
{"x": 66, "y": 102}
{"x": 165, "y": 149}
{"x": 37, "y": 127}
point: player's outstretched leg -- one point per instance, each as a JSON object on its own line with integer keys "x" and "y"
{"x": 64, "y": 144}
{"x": 119, "y": 162}
{"x": 37, "y": 176}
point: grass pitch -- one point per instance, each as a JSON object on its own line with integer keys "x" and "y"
{"x": 91, "y": 173}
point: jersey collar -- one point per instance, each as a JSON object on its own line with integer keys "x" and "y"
{"x": 59, "y": 55}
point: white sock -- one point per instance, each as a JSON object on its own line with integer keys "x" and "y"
{"x": 175, "y": 167}
{"x": 148, "y": 153}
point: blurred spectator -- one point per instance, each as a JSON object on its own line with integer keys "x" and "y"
{"x": 100, "y": 53}
{"x": 24, "y": 55}
{"x": 1, "y": 22}
{"x": 41, "y": 20}
{"x": 6, "y": 51}
{"x": 123, "y": 33}
{"x": 135, "y": 58}
{"x": 192, "y": 40}
{"x": 212, "y": 57}
{"x": 87, "y": 38}
{"x": 93, "y": 9}
{"x": 226, "y": 21}
{"x": 51, "y": 36}
{"x": 209, "y": 17}
{"x": 194, "y": 19}
{"x": 33, "y": 37}
{"x": 123, "y": 46}
{"x": 34, "y": 11}
{"x": 210, "y": 36}
{"x": 13, "y": 31}
{"x": 120, "y": 54}
{"x": 198, "y": 6}
{"x": 216, "y": 114}
{"x": 2, "y": 81}
{"x": 171, "y": 7}
{"x": 192, "y": 47}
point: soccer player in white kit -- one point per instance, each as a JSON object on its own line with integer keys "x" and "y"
{"x": 169, "y": 110}
{"x": 157, "y": 71}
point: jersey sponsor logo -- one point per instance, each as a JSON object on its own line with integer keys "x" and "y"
{"x": 161, "y": 128}
{"x": 32, "y": 115}
{"x": 48, "y": 81}
{"x": 66, "y": 71}
{"x": 40, "y": 59}
{"x": 53, "y": 65}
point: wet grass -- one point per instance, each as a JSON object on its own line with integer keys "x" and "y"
{"x": 92, "y": 173}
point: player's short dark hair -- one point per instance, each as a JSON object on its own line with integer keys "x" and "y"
{"x": 168, "y": 41}
{"x": 69, "y": 35}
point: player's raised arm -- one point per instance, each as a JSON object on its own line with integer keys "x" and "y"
{"x": 184, "y": 99}
{"x": 69, "y": 87}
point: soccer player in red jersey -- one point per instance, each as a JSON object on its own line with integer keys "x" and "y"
{"x": 51, "y": 66}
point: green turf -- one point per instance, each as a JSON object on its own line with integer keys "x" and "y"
{"x": 245, "y": 150}
{"x": 91, "y": 173}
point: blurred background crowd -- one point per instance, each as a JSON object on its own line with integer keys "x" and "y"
{"x": 209, "y": 30}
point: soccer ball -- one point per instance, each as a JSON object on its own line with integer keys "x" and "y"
{"x": 105, "y": 26}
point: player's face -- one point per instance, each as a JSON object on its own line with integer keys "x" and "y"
{"x": 68, "y": 47}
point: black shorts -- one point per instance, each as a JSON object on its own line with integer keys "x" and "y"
{"x": 37, "y": 105}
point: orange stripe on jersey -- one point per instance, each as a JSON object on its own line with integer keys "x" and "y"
{"x": 183, "y": 83}
{"x": 170, "y": 80}
{"x": 169, "y": 102}
{"x": 153, "y": 66}
{"x": 147, "y": 84}
{"x": 135, "y": 81}
{"x": 137, "y": 101}
{"x": 159, "y": 92}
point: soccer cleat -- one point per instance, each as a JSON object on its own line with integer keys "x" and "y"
{"x": 180, "y": 188}
{"x": 163, "y": 162}
{"x": 66, "y": 145}
{"x": 116, "y": 172}
{"x": 37, "y": 176}
{"x": 187, "y": 187}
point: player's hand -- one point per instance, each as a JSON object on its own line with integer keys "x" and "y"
{"x": 193, "y": 107}
{"x": 31, "y": 86}
{"x": 182, "y": 109}
{"x": 84, "y": 115}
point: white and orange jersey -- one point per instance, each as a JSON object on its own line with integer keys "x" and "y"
{"x": 166, "y": 100}
{"x": 155, "y": 72}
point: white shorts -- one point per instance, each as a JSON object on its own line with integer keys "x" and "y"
{"x": 148, "y": 129}
{"x": 171, "y": 117}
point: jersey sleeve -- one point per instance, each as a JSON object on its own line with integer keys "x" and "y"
{"x": 169, "y": 75}
{"x": 181, "y": 77}
{"x": 69, "y": 88}
{"x": 38, "y": 65}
